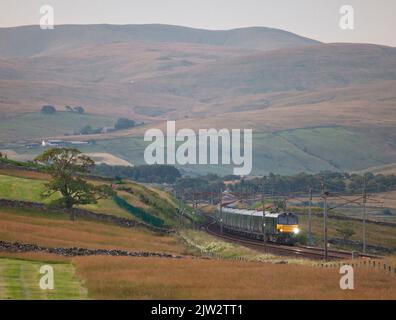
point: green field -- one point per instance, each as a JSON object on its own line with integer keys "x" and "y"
{"x": 38, "y": 125}
{"x": 285, "y": 152}
{"x": 15, "y": 188}
{"x": 19, "y": 280}
{"x": 342, "y": 148}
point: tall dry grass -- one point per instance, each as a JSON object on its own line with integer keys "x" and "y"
{"x": 59, "y": 231}
{"x": 154, "y": 278}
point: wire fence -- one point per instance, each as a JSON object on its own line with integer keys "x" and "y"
{"x": 377, "y": 265}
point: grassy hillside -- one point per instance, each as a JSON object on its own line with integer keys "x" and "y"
{"x": 36, "y": 125}
{"x": 384, "y": 169}
{"x": 25, "y": 189}
{"x": 15, "y": 188}
{"x": 305, "y": 68}
{"x": 204, "y": 79}
{"x": 285, "y": 152}
{"x": 27, "y": 186}
{"x": 376, "y": 235}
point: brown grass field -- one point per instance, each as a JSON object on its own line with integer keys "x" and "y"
{"x": 188, "y": 278}
{"x": 152, "y": 278}
{"x": 58, "y": 231}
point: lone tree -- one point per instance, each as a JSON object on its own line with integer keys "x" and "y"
{"x": 65, "y": 167}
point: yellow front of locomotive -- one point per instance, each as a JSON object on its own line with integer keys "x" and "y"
{"x": 287, "y": 228}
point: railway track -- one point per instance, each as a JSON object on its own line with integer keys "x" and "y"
{"x": 298, "y": 251}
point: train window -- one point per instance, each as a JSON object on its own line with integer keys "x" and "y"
{"x": 282, "y": 219}
{"x": 292, "y": 220}
{"x": 286, "y": 219}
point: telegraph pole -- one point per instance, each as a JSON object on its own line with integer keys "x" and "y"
{"x": 272, "y": 196}
{"x": 221, "y": 211}
{"x": 263, "y": 204}
{"x": 310, "y": 218}
{"x": 324, "y": 195}
{"x": 364, "y": 214}
{"x": 181, "y": 210}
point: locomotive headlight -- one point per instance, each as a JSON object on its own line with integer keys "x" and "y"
{"x": 296, "y": 230}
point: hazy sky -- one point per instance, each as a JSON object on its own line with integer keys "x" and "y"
{"x": 375, "y": 20}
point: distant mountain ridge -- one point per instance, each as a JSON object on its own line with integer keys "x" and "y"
{"x": 312, "y": 106}
{"x": 27, "y": 41}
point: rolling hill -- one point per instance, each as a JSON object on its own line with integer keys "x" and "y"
{"x": 27, "y": 41}
{"x": 309, "y": 68}
{"x": 266, "y": 79}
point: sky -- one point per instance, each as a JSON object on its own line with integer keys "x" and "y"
{"x": 374, "y": 20}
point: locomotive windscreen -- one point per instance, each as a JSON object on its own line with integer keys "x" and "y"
{"x": 287, "y": 219}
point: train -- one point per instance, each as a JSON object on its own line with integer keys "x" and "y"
{"x": 281, "y": 228}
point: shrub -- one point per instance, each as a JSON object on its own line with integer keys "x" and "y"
{"x": 48, "y": 109}
{"x": 124, "y": 123}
